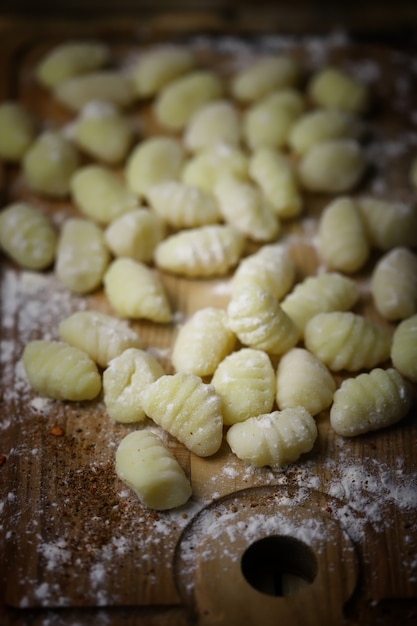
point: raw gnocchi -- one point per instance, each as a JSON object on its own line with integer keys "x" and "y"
{"x": 264, "y": 75}
{"x": 206, "y": 168}
{"x": 215, "y": 123}
{"x": 17, "y": 131}
{"x": 157, "y": 67}
{"x": 319, "y": 125}
{"x": 135, "y": 234}
{"x": 394, "y": 284}
{"x": 335, "y": 88}
{"x": 404, "y": 348}
{"x": 275, "y": 439}
{"x": 389, "y": 223}
{"x": 369, "y": 402}
{"x": 150, "y": 469}
{"x": 99, "y": 86}
{"x": 70, "y": 59}
{"x": 183, "y": 206}
{"x": 188, "y": 409}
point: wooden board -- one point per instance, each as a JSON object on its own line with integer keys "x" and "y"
{"x": 77, "y": 544}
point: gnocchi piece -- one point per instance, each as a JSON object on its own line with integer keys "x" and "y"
{"x": 101, "y": 194}
{"x": 370, "y": 401}
{"x": 271, "y": 268}
{"x": 319, "y": 125}
{"x": 82, "y": 256}
{"x": 101, "y": 336}
{"x": 194, "y": 350}
{"x": 394, "y": 284}
{"x": 100, "y": 86}
{"x": 404, "y": 348}
{"x": 389, "y": 223}
{"x": 103, "y": 133}
{"x": 183, "y": 206}
{"x": 264, "y": 75}
{"x": 27, "y": 236}
{"x": 275, "y": 439}
{"x": 244, "y": 207}
{"x": 207, "y": 167}
{"x": 49, "y": 164}
{"x": 303, "y": 380}
{"x": 268, "y": 122}
{"x": 134, "y": 290}
{"x": 17, "y": 131}
{"x": 332, "y": 166}
{"x": 150, "y": 469}
{"x": 331, "y": 291}
{"x": 335, "y": 88}
{"x": 124, "y": 380}
{"x": 342, "y": 238}
{"x": 157, "y": 67}
{"x": 343, "y": 340}
{"x": 153, "y": 161}
{"x": 135, "y": 234}
{"x": 59, "y": 371}
{"x": 180, "y": 99}
{"x": 188, "y": 409}
{"x": 200, "y": 252}
{"x": 275, "y": 175}
{"x": 245, "y": 382}
{"x": 259, "y": 321}
{"x": 70, "y": 59}
{"x": 215, "y": 123}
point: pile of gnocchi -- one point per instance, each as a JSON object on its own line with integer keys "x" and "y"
{"x": 230, "y": 163}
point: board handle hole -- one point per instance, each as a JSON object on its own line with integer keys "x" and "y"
{"x": 279, "y": 565}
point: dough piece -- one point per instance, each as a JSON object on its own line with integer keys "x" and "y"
{"x": 245, "y": 382}
{"x": 319, "y": 125}
{"x": 200, "y": 252}
{"x": 59, "y": 371}
{"x": 101, "y": 194}
{"x": 135, "y": 234}
{"x": 268, "y": 122}
{"x": 101, "y": 86}
{"x": 335, "y": 88}
{"x": 202, "y": 342}
{"x": 152, "y": 161}
{"x": 394, "y": 284}
{"x": 101, "y": 336}
{"x": 404, "y": 348}
{"x": 82, "y": 256}
{"x": 264, "y": 75}
{"x": 103, "y": 133}
{"x": 158, "y": 66}
{"x": 178, "y": 101}
{"x": 346, "y": 341}
{"x": 27, "y": 236}
{"x": 124, "y": 380}
{"x": 49, "y": 164}
{"x": 275, "y": 175}
{"x": 303, "y": 380}
{"x": 389, "y": 223}
{"x": 259, "y": 321}
{"x": 188, "y": 409}
{"x": 275, "y": 439}
{"x": 135, "y": 291}
{"x": 318, "y": 294}
{"x": 342, "y": 238}
{"x": 369, "y": 402}
{"x": 270, "y": 268}
{"x": 332, "y": 166}
{"x": 69, "y": 59}
{"x": 17, "y": 131}
{"x": 183, "y": 206}
{"x": 206, "y": 168}
{"x": 244, "y": 207}
{"x": 217, "y": 122}
{"x": 146, "y": 465}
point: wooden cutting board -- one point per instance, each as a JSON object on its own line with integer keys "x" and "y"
{"x": 77, "y": 544}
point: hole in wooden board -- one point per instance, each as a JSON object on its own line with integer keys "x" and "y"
{"x": 279, "y": 565}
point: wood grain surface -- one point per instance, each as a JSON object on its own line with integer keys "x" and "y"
{"x": 76, "y": 544}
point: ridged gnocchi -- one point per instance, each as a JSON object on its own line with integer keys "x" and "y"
{"x": 319, "y": 125}
{"x": 394, "y": 284}
{"x": 245, "y": 382}
{"x": 404, "y": 348}
{"x": 389, "y": 223}
{"x": 60, "y": 371}
{"x": 149, "y": 468}
{"x": 347, "y": 341}
{"x": 183, "y": 206}
{"x": 135, "y": 234}
{"x": 217, "y": 122}
{"x": 275, "y": 439}
{"x": 369, "y": 402}
{"x": 208, "y": 166}
{"x": 188, "y": 409}
{"x": 17, "y": 131}
{"x": 264, "y": 75}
